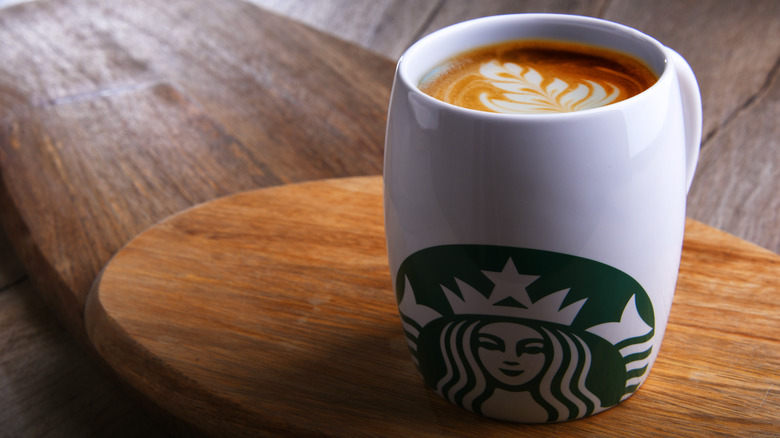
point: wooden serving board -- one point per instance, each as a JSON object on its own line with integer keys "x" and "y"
{"x": 271, "y": 312}
{"x": 113, "y": 116}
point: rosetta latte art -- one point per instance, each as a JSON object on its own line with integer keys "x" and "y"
{"x": 525, "y": 91}
{"x": 537, "y": 77}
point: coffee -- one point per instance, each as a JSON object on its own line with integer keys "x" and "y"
{"x": 537, "y": 77}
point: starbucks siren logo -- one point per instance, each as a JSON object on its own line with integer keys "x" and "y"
{"x": 524, "y": 335}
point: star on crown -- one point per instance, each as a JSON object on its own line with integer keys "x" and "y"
{"x": 508, "y": 298}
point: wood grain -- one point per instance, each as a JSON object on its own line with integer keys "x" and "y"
{"x": 272, "y": 311}
{"x": 388, "y": 28}
{"x": 115, "y": 134}
{"x": 738, "y": 179}
{"x": 49, "y": 387}
{"x": 701, "y": 31}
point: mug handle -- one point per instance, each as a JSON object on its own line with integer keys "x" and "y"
{"x": 692, "y": 112}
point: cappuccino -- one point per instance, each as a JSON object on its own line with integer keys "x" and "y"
{"x": 537, "y": 77}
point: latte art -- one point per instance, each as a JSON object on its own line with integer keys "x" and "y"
{"x": 523, "y": 90}
{"x": 537, "y": 77}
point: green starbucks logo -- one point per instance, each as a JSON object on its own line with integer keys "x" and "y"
{"x": 493, "y": 328}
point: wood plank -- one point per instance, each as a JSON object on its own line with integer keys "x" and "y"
{"x": 389, "y": 27}
{"x": 737, "y": 187}
{"x": 373, "y": 25}
{"x": 727, "y": 44}
{"x": 452, "y": 12}
{"x": 114, "y": 172}
{"x": 271, "y": 311}
{"x": 49, "y": 387}
{"x": 154, "y": 107}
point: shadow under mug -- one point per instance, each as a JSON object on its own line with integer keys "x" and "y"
{"x": 535, "y": 257}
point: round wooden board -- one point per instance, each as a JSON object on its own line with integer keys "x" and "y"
{"x": 268, "y": 311}
{"x": 271, "y": 313}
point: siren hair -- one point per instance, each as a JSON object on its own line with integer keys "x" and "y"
{"x": 560, "y": 389}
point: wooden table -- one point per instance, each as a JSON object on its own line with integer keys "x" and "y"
{"x": 115, "y": 116}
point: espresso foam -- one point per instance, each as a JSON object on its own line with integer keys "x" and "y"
{"x": 527, "y": 77}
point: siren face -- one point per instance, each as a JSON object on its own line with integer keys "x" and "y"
{"x": 512, "y": 354}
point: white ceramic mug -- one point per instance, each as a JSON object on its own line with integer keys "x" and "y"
{"x": 535, "y": 257}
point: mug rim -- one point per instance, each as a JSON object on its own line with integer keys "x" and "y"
{"x": 563, "y": 21}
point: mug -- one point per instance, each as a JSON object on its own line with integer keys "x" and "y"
{"x": 535, "y": 257}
